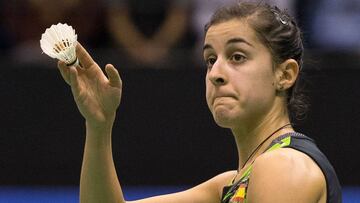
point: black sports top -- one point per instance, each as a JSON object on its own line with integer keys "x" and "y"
{"x": 236, "y": 192}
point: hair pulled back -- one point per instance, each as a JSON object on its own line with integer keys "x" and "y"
{"x": 279, "y": 32}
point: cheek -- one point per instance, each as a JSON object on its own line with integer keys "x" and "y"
{"x": 255, "y": 89}
{"x": 208, "y": 92}
{"x": 260, "y": 95}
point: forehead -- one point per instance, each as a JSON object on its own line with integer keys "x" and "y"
{"x": 236, "y": 28}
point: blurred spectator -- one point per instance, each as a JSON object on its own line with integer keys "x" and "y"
{"x": 336, "y": 25}
{"x": 149, "y": 32}
{"x": 203, "y": 9}
{"x": 26, "y": 20}
{"x": 5, "y": 37}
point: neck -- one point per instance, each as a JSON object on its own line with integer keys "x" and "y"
{"x": 248, "y": 138}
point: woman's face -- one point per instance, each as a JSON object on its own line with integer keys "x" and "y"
{"x": 240, "y": 78}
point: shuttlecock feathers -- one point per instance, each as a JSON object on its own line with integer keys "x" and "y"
{"x": 59, "y": 41}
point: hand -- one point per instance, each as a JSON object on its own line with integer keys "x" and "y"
{"x": 97, "y": 96}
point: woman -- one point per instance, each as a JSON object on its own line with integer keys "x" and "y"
{"x": 253, "y": 55}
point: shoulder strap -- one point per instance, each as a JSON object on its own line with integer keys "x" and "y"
{"x": 307, "y": 146}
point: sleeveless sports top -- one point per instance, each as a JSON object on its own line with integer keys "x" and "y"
{"x": 236, "y": 192}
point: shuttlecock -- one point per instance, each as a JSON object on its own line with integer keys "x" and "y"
{"x": 59, "y": 41}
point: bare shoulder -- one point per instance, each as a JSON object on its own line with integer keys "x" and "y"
{"x": 286, "y": 175}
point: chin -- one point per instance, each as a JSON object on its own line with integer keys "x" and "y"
{"x": 223, "y": 125}
{"x": 224, "y": 121}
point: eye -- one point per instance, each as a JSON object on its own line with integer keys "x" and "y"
{"x": 210, "y": 61}
{"x": 238, "y": 58}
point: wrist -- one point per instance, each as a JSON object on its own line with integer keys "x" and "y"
{"x": 98, "y": 136}
{"x": 100, "y": 127}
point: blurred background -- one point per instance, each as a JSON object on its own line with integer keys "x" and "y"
{"x": 164, "y": 139}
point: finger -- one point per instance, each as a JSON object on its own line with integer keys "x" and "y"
{"x": 65, "y": 72}
{"x": 84, "y": 57}
{"x": 74, "y": 82}
{"x": 113, "y": 75}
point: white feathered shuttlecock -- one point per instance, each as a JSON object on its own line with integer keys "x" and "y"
{"x": 59, "y": 41}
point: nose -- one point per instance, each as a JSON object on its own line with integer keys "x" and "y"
{"x": 217, "y": 74}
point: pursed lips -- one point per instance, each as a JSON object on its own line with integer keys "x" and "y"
{"x": 220, "y": 96}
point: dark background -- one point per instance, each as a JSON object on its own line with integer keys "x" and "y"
{"x": 164, "y": 133}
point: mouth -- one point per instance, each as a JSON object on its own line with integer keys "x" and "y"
{"x": 221, "y": 99}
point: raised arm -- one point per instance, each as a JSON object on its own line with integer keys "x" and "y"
{"x": 97, "y": 98}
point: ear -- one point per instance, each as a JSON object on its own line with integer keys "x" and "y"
{"x": 286, "y": 74}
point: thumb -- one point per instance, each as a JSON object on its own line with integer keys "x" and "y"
{"x": 113, "y": 75}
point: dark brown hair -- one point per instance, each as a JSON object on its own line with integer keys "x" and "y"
{"x": 278, "y": 31}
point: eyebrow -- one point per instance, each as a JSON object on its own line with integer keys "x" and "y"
{"x": 230, "y": 41}
{"x": 238, "y": 40}
{"x": 207, "y": 46}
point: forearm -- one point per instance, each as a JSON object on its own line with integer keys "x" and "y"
{"x": 99, "y": 181}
